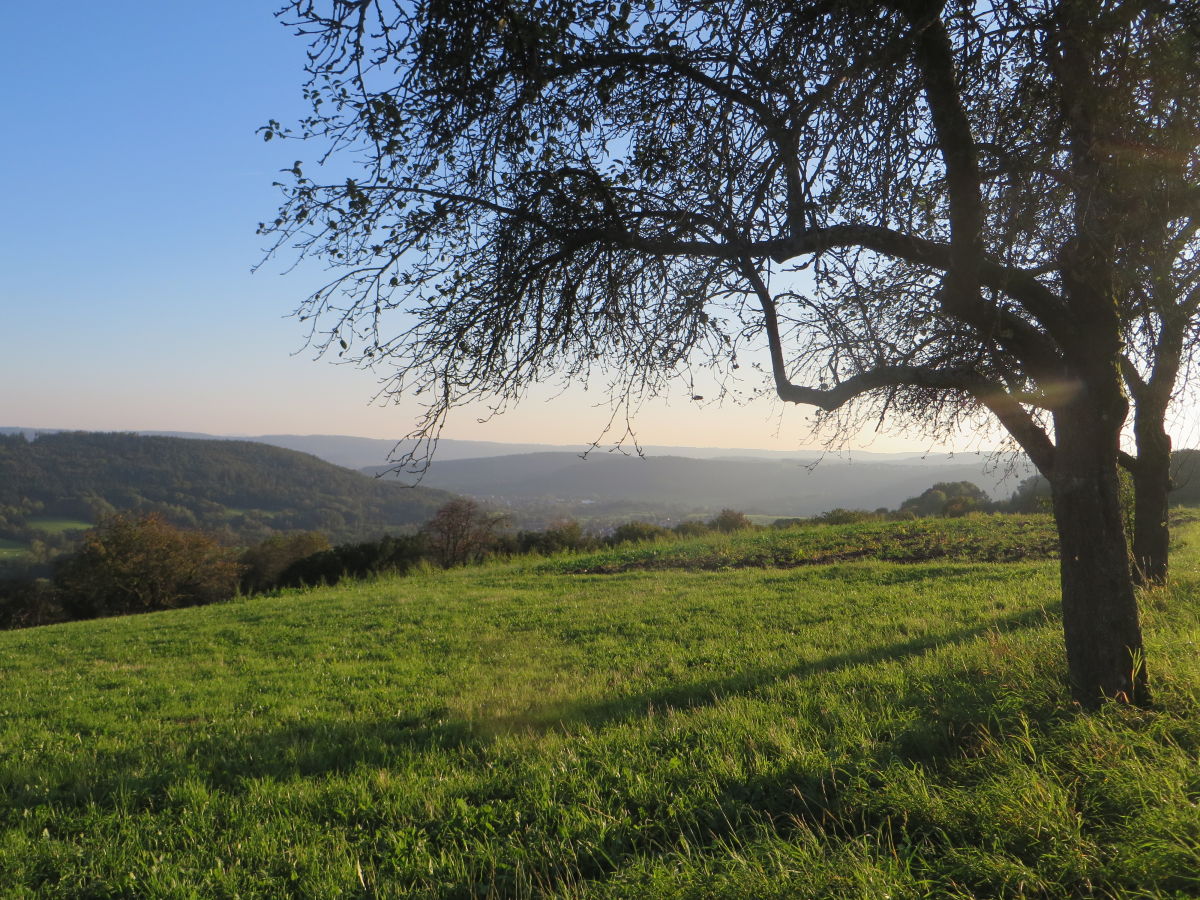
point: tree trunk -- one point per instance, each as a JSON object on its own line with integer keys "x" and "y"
{"x": 1151, "y": 484}
{"x": 1100, "y": 615}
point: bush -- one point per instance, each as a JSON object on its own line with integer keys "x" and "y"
{"x": 730, "y": 520}
{"x": 561, "y": 536}
{"x": 26, "y": 602}
{"x": 691, "y": 529}
{"x": 265, "y": 562}
{"x": 139, "y": 564}
{"x": 1031, "y": 496}
{"x": 948, "y": 498}
{"x": 840, "y": 516}
{"x": 957, "y": 507}
{"x": 388, "y": 554}
{"x": 636, "y": 532}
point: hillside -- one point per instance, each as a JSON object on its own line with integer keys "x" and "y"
{"x": 360, "y": 452}
{"x": 779, "y": 487}
{"x": 859, "y": 730}
{"x": 246, "y": 490}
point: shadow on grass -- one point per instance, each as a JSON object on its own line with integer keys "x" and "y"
{"x": 231, "y": 762}
{"x": 844, "y": 800}
{"x": 707, "y": 692}
{"x": 839, "y": 797}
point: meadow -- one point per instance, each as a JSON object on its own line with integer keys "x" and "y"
{"x": 12, "y": 549}
{"x": 762, "y": 716}
{"x": 57, "y": 524}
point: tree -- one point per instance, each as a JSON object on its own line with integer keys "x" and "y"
{"x": 264, "y": 563}
{"x": 461, "y": 532}
{"x": 388, "y": 554}
{"x": 1168, "y": 296}
{"x": 561, "y": 536}
{"x": 932, "y": 209}
{"x": 947, "y": 498}
{"x": 729, "y": 520}
{"x": 637, "y": 533}
{"x": 139, "y": 564}
{"x": 1031, "y": 496}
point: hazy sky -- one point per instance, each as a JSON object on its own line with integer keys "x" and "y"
{"x": 134, "y": 181}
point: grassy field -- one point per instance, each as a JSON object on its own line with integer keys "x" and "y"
{"x": 57, "y": 524}
{"x": 861, "y": 729}
{"x": 12, "y": 549}
{"x": 976, "y": 539}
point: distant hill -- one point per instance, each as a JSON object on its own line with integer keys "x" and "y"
{"x": 245, "y": 489}
{"x": 361, "y": 453}
{"x": 781, "y": 487}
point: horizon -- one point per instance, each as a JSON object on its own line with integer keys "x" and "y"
{"x": 835, "y": 451}
{"x": 550, "y": 446}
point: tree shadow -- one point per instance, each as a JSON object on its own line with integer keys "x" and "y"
{"x": 707, "y": 692}
{"x": 231, "y": 762}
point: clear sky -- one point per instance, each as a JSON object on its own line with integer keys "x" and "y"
{"x": 133, "y": 184}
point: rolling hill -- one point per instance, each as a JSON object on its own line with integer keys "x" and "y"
{"x": 781, "y": 487}
{"x": 246, "y": 490}
{"x": 361, "y": 452}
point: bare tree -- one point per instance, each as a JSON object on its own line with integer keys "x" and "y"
{"x": 461, "y": 532}
{"x": 933, "y": 209}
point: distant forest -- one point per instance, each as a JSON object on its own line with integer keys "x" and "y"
{"x": 242, "y": 491}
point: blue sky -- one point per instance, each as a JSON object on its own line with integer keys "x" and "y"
{"x": 133, "y": 183}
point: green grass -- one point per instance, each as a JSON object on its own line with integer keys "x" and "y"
{"x": 973, "y": 539}
{"x": 11, "y": 549}
{"x": 56, "y": 524}
{"x": 863, "y": 729}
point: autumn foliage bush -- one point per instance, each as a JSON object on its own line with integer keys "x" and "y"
{"x": 134, "y": 564}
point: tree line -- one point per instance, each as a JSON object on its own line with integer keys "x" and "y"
{"x": 134, "y": 563}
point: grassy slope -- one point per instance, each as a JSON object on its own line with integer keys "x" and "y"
{"x": 996, "y": 538}
{"x": 10, "y": 548}
{"x": 57, "y": 524}
{"x": 863, "y": 729}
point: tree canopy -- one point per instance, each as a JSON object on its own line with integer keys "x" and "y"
{"x": 934, "y": 209}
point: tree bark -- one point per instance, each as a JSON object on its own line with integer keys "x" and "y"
{"x": 1151, "y": 485}
{"x": 1100, "y": 615}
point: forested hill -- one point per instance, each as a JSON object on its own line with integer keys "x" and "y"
{"x": 248, "y": 490}
{"x": 780, "y": 487}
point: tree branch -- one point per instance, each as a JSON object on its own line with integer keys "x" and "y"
{"x": 1012, "y": 415}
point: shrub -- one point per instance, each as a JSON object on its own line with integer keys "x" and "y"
{"x": 948, "y": 498}
{"x": 137, "y": 564}
{"x": 26, "y": 602}
{"x": 566, "y": 535}
{"x": 957, "y": 507}
{"x": 636, "y": 532}
{"x": 265, "y": 562}
{"x": 840, "y": 516}
{"x": 691, "y": 529}
{"x": 729, "y": 520}
{"x": 1031, "y": 496}
{"x": 388, "y": 554}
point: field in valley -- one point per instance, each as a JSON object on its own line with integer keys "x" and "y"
{"x": 849, "y": 711}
